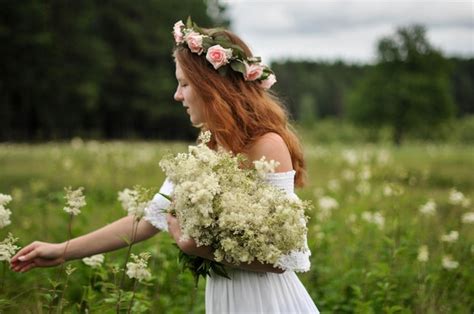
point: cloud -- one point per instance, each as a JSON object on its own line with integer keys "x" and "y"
{"x": 347, "y": 29}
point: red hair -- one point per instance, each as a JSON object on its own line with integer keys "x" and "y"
{"x": 238, "y": 112}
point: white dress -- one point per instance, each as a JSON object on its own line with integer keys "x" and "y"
{"x": 247, "y": 291}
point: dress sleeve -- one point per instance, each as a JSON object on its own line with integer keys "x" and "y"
{"x": 155, "y": 212}
{"x": 297, "y": 260}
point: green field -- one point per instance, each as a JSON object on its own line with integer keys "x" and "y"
{"x": 365, "y": 230}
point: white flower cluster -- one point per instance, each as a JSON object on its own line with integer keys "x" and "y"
{"x": 423, "y": 254}
{"x": 138, "y": 268}
{"x": 263, "y": 166}
{"x": 8, "y": 248}
{"x": 232, "y": 209}
{"x": 94, "y": 261}
{"x": 429, "y": 208}
{"x": 376, "y": 218}
{"x": 457, "y": 198}
{"x": 134, "y": 201}
{"x": 451, "y": 237}
{"x": 326, "y": 205}
{"x": 468, "y": 218}
{"x": 449, "y": 263}
{"x": 4, "y": 212}
{"x": 74, "y": 200}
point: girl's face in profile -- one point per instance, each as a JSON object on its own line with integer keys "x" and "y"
{"x": 186, "y": 94}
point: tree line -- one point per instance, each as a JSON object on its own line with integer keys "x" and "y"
{"x": 92, "y": 68}
{"x": 103, "y": 69}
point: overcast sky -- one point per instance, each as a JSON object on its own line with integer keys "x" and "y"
{"x": 348, "y": 30}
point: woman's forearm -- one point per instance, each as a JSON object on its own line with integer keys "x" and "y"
{"x": 207, "y": 253}
{"x": 108, "y": 238}
{"x": 189, "y": 246}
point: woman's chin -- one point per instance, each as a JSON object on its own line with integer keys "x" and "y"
{"x": 197, "y": 125}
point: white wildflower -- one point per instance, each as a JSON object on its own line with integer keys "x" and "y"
{"x": 429, "y": 208}
{"x": 423, "y": 254}
{"x": 450, "y": 237}
{"x": 263, "y": 166}
{"x": 8, "y": 248}
{"x": 457, "y": 198}
{"x": 94, "y": 261}
{"x": 69, "y": 269}
{"x": 328, "y": 203}
{"x": 74, "y": 200}
{"x": 138, "y": 268}
{"x": 350, "y": 156}
{"x": 4, "y": 212}
{"x": 5, "y": 199}
{"x": 448, "y": 262}
{"x": 468, "y": 218}
{"x": 387, "y": 190}
{"x": 392, "y": 189}
{"x": 205, "y": 137}
{"x": 376, "y": 218}
{"x": 133, "y": 201}
{"x": 334, "y": 185}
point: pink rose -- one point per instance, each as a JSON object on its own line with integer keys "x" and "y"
{"x": 194, "y": 41}
{"x": 252, "y": 71}
{"x": 218, "y": 56}
{"x": 178, "y": 34}
{"x": 268, "y": 82}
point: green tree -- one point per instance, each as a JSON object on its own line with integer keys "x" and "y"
{"x": 408, "y": 89}
{"x": 93, "y": 68}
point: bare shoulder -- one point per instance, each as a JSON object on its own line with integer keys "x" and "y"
{"x": 273, "y": 147}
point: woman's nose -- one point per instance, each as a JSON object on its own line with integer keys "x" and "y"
{"x": 178, "y": 96}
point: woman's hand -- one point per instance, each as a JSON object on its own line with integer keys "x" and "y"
{"x": 187, "y": 246}
{"x": 38, "y": 254}
{"x": 175, "y": 230}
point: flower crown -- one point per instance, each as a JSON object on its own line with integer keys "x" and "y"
{"x": 220, "y": 51}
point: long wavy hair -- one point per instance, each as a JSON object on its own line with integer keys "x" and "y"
{"x": 238, "y": 112}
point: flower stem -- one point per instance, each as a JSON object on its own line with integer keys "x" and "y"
{"x": 122, "y": 278}
{"x": 71, "y": 216}
{"x": 62, "y": 295}
{"x": 4, "y": 274}
{"x": 135, "y": 284}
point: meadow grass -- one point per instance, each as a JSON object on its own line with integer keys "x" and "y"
{"x": 365, "y": 230}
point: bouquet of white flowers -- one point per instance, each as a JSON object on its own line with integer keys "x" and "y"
{"x": 232, "y": 209}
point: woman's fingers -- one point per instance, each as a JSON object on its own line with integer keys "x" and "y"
{"x": 26, "y": 267}
{"x": 27, "y": 249}
{"x": 29, "y": 256}
{"x": 38, "y": 262}
{"x": 21, "y": 265}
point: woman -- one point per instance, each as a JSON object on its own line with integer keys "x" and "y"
{"x": 223, "y": 89}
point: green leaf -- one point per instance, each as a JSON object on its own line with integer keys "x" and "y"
{"x": 166, "y": 196}
{"x": 189, "y": 22}
{"x": 238, "y": 66}
{"x": 219, "y": 269}
{"x": 222, "y": 70}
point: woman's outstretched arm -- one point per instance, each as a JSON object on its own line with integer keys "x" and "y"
{"x": 108, "y": 238}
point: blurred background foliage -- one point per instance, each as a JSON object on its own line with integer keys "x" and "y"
{"x": 103, "y": 70}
